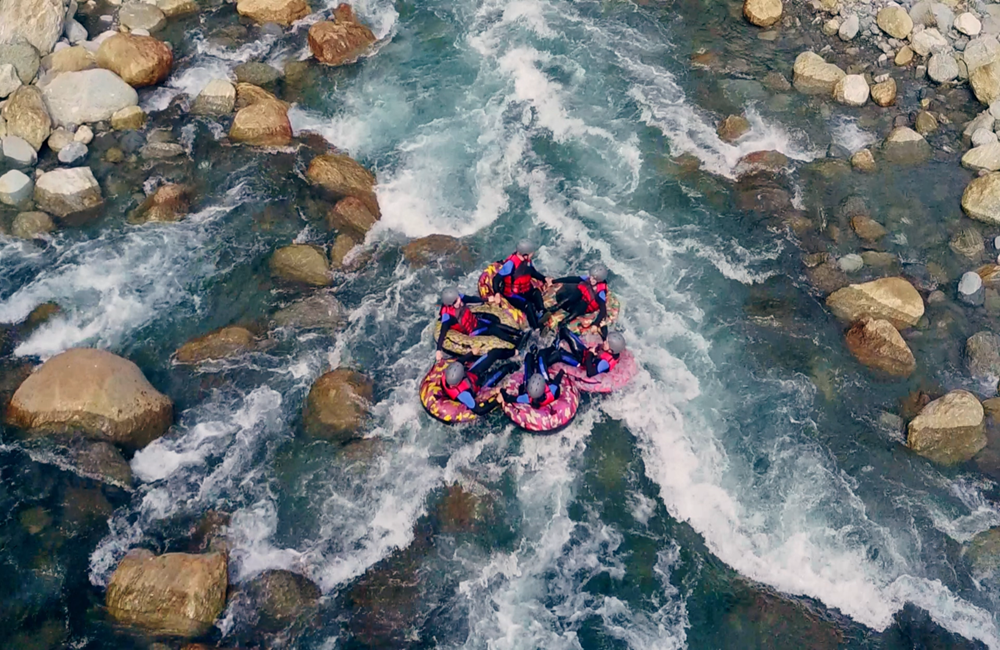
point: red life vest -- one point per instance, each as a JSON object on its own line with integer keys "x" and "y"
{"x": 467, "y": 384}
{"x": 612, "y": 360}
{"x": 590, "y": 293}
{"x": 465, "y": 321}
{"x": 548, "y": 398}
{"x": 519, "y": 280}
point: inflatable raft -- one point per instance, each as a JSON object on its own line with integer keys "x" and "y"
{"x": 486, "y": 291}
{"x": 606, "y": 382}
{"x": 458, "y": 344}
{"x": 547, "y": 419}
{"x": 581, "y": 324}
{"x": 438, "y": 405}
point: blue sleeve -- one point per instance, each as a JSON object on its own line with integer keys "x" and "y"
{"x": 465, "y": 397}
{"x": 603, "y": 296}
{"x": 506, "y": 269}
{"x": 523, "y": 399}
{"x": 445, "y": 318}
{"x": 603, "y": 366}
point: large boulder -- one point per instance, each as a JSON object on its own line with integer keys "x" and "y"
{"x": 142, "y": 15}
{"x": 281, "y": 597}
{"x": 343, "y": 176}
{"x": 762, "y": 13}
{"x": 249, "y": 94}
{"x": 220, "y": 344}
{"x": 70, "y": 59}
{"x": 257, "y": 73}
{"x": 981, "y": 51}
{"x": 30, "y": 225}
{"x": 343, "y": 41}
{"x": 94, "y": 391}
{"x": 264, "y": 124}
{"x": 437, "y": 249}
{"x": 981, "y": 198}
{"x": 87, "y": 96}
{"x": 877, "y": 344}
{"x": 218, "y": 97}
{"x": 983, "y": 553}
{"x": 985, "y": 157}
{"x": 985, "y": 82}
{"x": 15, "y": 188}
{"x": 168, "y": 203}
{"x": 891, "y": 299}
{"x": 949, "y": 430}
{"x": 337, "y": 405}
{"x": 39, "y": 22}
{"x": 27, "y": 116}
{"x": 175, "y": 594}
{"x": 318, "y": 311}
{"x": 814, "y": 76}
{"x": 982, "y": 355}
{"x": 904, "y": 146}
{"x": 283, "y": 12}
{"x": 23, "y": 57}
{"x": 894, "y": 21}
{"x": 138, "y": 60}
{"x": 350, "y": 214}
{"x": 301, "y": 263}
{"x": 73, "y": 194}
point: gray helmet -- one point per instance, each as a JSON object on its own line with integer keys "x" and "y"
{"x": 526, "y": 247}
{"x": 536, "y": 386}
{"x": 599, "y": 272}
{"x": 449, "y": 296}
{"x": 454, "y": 373}
{"x": 616, "y": 342}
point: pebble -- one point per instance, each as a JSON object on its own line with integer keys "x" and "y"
{"x": 942, "y": 67}
{"x": 84, "y": 135}
{"x": 131, "y": 141}
{"x": 59, "y": 139}
{"x": 983, "y": 137}
{"x": 849, "y": 28}
{"x": 15, "y": 187}
{"x": 73, "y": 152}
{"x": 904, "y": 56}
{"x": 968, "y": 24}
{"x": 996, "y": 243}
{"x": 19, "y": 152}
{"x": 970, "y": 289}
{"x": 851, "y": 263}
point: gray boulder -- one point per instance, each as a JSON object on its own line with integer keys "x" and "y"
{"x": 18, "y": 152}
{"x": 9, "y": 81}
{"x": 15, "y": 188}
{"x": 39, "y": 22}
{"x": 70, "y": 194}
{"x": 23, "y": 57}
{"x": 140, "y": 15}
{"x": 73, "y": 152}
{"x": 87, "y": 96}
{"x": 971, "y": 290}
{"x": 29, "y": 225}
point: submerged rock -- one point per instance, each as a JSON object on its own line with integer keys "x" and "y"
{"x": 814, "y": 76}
{"x": 29, "y": 225}
{"x": 344, "y": 41}
{"x": 70, "y": 194}
{"x": 27, "y": 117}
{"x": 863, "y": 161}
{"x": 87, "y": 96}
{"x": 138, "y": 60}
{"x": 264, "y": 123}
{"x": 94, "y": 391}
{"x": 891, "y": 299}
{"x": 342, "y": 176}
{"x": 282, "y": 12}
{"x": 39, "y": 22}
{"x": 281, "y": 597}
{"x": 337, "y": 405}
{"x": 904, "y": 146}
{"x": 981, "y": 198}
{"x": 983, "y": 552}
{"x": 256, "y": 73}
{"x": 218, "y": 97}
{"x": 220, "y": 344}
{"x": 437, "y": 248}
{"x": 867, "y": 228}
{"x": 318, "y": 311}
{"x": 142, "y": 15}
{"x": 168, "y": 203}
{"x": 982, "y": 355}
{"x": 877, "y": 344}
{"x": 949, "y": 430}
{"x": 301, "y": 263}
{"x": 969, "y": 244}
{"x": 175, "y": 594}
{"x": 733, "y": 128}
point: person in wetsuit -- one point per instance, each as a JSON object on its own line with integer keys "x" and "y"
{"x": 600, "y": 359}
{"x": 467, "y": 375}
{"x": 456, "y": 315}
{"x": 585, "y": 294}
{"x": 514, "y": 282}
{"x": 539, "y": 390}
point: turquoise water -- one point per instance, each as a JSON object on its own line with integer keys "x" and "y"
{"x": 744, "y": 461}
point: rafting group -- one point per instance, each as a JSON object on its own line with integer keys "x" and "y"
{"x": 481, "y": 363}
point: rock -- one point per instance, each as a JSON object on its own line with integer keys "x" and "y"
{"x": 904, "y": 146}
{"x": 851, "y": 90}
{"x": 218, "y": 97}
{"x": 877, "y": 344}
{"x": 87, "y": 96}
{"x": 70, "y": 59}
{"x": 301, "y": 263}
{"x": 256, "y": 73}
{"x": 138, "y": 60}
{"x": 9, "y": 81}
{"x": 980, "y": 51}
{"x": 985, "y": 157}
{"x": 942, "y": 67}
{"x": 350, "y": 214}
{"x": 131, "y": 141}
{"x": 141, "y": 15}
{"x": 891, "y": 299}
{"x": 949, "y": 430}
{"x": 894, "y": 21}
{"x": 100, "y": 461}
{"x": 969, "y": 244}
{"x": 814, "y": 76}
{"x": 982, "y": 355}
{"x": 15, "y": 188}
{"x": 249, "y": 94}
{"x": 762, "y": 13}
{"x": 39, "y": 22}
{"x": 342, "y": 176}
{"x": 29, "y": 225}
{"x": 981, "y": 198}
{"x": 883, "y": 261}
{"x": 904, "y": 56}
{"x": 282, "y": 12}
{"x": 318, "y": 311}
{"x": 167, "y": 204}
{"x": 344, "y": 41}
{"x": 27, "y": 117}
{"x": 851, "y": 263}
{"x": 849, "y": 28}
{"x": 18, "y": 152}
{"x": 23, "y": 57}
{"x": 733, "y": 128}
{"x": 73, "y": 152}
{"x": 173, "y": 594}
{"x": 863, "y": 161}
{"x": 776, "y": 82}
{"x": 342, "y": 246}
{"x": 262, "y": 124}
{"x": 985, "y": 82}
{"x": 70, "y": 194}
{"x": 761, "y": 161}
{"x": 970, "y": 289}
{"x": 94, "y": 391}
{"x": 983, "y": 553}
{"x": 337, "y": 405}
{"x": 968, "y": 24}
{"x": 928, "y": 41}
{"x": 130, "y": 118}
{"x": 172, "y": 8}
{"x": 982, "y": 137}
{"x": 867, "y": 228}
{"x": 58, "y": 139}
{"x": 162, "y": 150}
{"x": 220, "y": 344}
{"x": 281, "y": 597}
{"x": 830, "y": 27}
{"x": 437, "y": 249}
{"x": 75, "y": 32}
{"x": 925, "y": 123}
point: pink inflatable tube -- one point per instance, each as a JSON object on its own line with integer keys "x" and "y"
{"x": 546, "y": 419}
{"x": 606, "y": 382}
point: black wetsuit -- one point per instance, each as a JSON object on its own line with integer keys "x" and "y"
{"x": 479, "y": 368}
{"x": 534, "y": 363}
{"x": 578, "y": 354}
{"x": 571, "y": 300}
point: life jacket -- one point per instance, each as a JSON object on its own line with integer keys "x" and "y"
{"x": 590, "y": 293}
{"x": 465, "y": 321}
{"x": 609, "y": 358}
{"x": 547, "y": 398}
{"x": 468, "y": 383}
{"x": 519, "y": 280}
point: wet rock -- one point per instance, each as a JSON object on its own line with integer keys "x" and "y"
{"x": 171, "y": 8}
{"x": 318, "y": 311}
{"x": 985, "y": 82}
{"x": 23, "y": 57}
{"x": 220, "y": 344}
{"x": 59, "y": 139}
{"x": 281, "y": 597}
{"x": 928, "y": 41}
{"x": 168, "y": 203}
{"x": 981, "y": 51}
{"x": 884, "y": 93}
{"x": 72, "y": 153}
{"x": 849, "y": 28}
{"x": 762, "y": 13}
{"x": 339, "y": 252}
{"x": 733, "y": 128}
{"x": 218, "y": 97}
{"x": 174, "y": 594}
{"x": 138, "y": 60}
{"x": 867, "y": 228}
{"x": 851, "y": 263}
{"x": 344, "y": 41}
{"x": 142, "y": 15}
{"x": 814, "y": 76}
{"x": 891, "y": 299}
{"x": 161, "y": 151}
{"x": 437, "y": 248}
{"x": 949, "y": 430}
{"x": 894, "y": 21}
{"x": 342, "y": 176}
{"x": 9, "y": 81}
{"x": 904, "y": 56}
{"x": 968, "y": 24}
{"x": 70, "y": 194}
{"x": 925, "y": 123}
{"x": 337, "y": 405}
{"x": 87, "y": 96}
{"x": 863, "y": 161}
{"x": 15, "y": 188}
{"x": 761, "y": 161}
{"x": 94, "y": 391}
{"x": 301, "y": 263}
{"x": 942, "y": 67}
{"x": 18, "y": 152}
{"x": 462, "y": 510}
{"x": 282, "y": 12}
{"x": 776, "y": 82}
{"x": 27, "y": 116}
{"x": 970, "y": 289}
{"x": 70, "y": 59}
{"x": 986, "y": 157}
{"x": 880, "y": 261}
{"x": 982, "y": 137}
{"x": 827, "y": 277}
{"x": 982, "y": 355}
{"x": 969, "y": 244}
{"x": 39, "y": 22}
{"x": 263, "y": 124}
{"x": 904, "y": 146}
{"x": 249, "y": 94}
{"x": 130, "y": 118}
{"x": 983, "y": 552}
{"x": 851, "y": 90}
{"x": 131, "y": 141}
{"x": 100, "y": 461}
{"x": 877, "y": 344}
{"x": 981, "y": 198}
{"x": 29, "y": 225}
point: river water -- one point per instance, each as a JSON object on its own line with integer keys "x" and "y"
{"x": 744, "y": 461}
